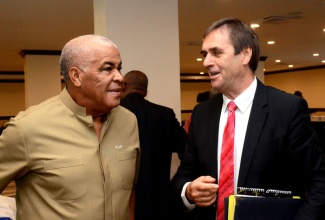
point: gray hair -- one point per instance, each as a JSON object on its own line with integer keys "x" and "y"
{"x": 77, "y": 53}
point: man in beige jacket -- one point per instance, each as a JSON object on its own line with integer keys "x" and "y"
{"x": 76, "y": 155}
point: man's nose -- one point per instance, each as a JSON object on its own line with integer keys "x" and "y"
{"x": 207, "y": 60}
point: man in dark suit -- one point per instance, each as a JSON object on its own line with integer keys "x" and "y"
{"x": 274, "y": 145}
{"x": 160, "y": 135}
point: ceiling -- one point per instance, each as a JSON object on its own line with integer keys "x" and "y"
{"x": 296, "y": 26}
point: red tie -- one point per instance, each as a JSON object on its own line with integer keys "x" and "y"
{"x": 226, "y": 177}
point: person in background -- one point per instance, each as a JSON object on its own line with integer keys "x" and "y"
{"x": 299, "y": 94}
{"x": 271, "y": 142}
{"x": 160, "y": 135}
{"x": 201, "y": 97}
{"x": 75, "y": 155}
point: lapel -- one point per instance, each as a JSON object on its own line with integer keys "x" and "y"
{"x": 254, "y": 128}
{"x": 214, "y": 120}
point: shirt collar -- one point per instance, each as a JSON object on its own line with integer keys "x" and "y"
{"x": 244, "y": 99}
{"x": 70, "y": 103}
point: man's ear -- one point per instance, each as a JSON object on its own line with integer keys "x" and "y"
{"x": 75, "y": 78}
{"x": 247, "y": 55}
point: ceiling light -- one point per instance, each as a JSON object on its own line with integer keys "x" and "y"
{"x": 199, "y": 59}
{"x": 278, "y": 61}
{"x": 290, "y": 66}
{"x": 271, "y": 42}
{"x": 201, "y": 73}
{"x": 316, "y": 54}
{"x": 255, "y": 25}
{"x": 324, "y": 29}
{"x": 323, "y": 61}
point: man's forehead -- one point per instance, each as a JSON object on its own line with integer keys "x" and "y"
{"x": 216, "y": 39}
{"x": 108, "y": 54}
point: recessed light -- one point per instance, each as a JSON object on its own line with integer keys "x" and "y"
{"x": 255, "y": 25}
{"x": 290, "y": 66}
{"x": 316, "y": 54}
{"x": 278, "y": 61}
{"x": 324, "y": 29}
{"x": 199, "y": 59}
{"x": 271, "y": 42}
{"x": 323, "y": 61}
{"x": 201, "y": 73}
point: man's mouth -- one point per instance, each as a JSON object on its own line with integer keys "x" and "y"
{"x": 115, "y": 90}
{"x": 213, "y": 73}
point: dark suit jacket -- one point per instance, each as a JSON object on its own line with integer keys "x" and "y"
{"x": 160, "y": 135}
{"x": 280, "y": 150}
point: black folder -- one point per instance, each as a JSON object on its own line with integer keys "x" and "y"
{"x": 263, "y": 208}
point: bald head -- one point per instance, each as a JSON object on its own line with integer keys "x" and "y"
{"x": 78, "y": 52}
{"x": 135, "y": 81}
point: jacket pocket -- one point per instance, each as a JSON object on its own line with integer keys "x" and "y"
{"x": 127, "y": 165}
{"x": 66, "y": 178}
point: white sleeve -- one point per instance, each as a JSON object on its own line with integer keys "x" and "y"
{"x": 188, "y": 205}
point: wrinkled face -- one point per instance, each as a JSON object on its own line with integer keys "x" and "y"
{"x": 102, "y": 82}
{"x": 223, "y": 66}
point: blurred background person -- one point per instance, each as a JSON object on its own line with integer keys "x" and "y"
{"x": 160, "y": 135}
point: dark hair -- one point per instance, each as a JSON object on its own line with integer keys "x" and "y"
{"x": 241, "y": 35}
{"x": 298, "y": 93}
{"x": 202, "y": 96}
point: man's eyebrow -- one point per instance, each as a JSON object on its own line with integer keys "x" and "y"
{"x": 111, "y": 63}
{"x": 108, "y": 63}
{"x": 203, "y": 52}
{"x": 213, "y": 49}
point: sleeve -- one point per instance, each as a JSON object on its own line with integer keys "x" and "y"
{"x": 187, "y": 123}
{"x": 187, "y": 171}
{"x": 307, "y": 158}
{"x": 178, "y": 136}
{"x": 13, "y": 154}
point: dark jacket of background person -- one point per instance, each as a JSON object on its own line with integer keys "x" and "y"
{"x": 299, "y": 94}
{"x": 160, "y": 135}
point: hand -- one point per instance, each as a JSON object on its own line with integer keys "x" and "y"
{"x": 202, "y": 191}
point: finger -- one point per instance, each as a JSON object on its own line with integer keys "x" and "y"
{"x": 198, "y": 189}
{"x": 203, "y": 186}
{"x": 205, "y": 201}
{"x": 207, "y": 179}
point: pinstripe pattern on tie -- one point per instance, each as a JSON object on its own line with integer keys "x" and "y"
{"x": 226, "y": 176}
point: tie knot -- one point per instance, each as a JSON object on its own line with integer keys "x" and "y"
{"x": 232, "y": 106}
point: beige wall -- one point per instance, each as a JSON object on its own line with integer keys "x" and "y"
{"x": 12, "y": 99}
{"x": 310, "y": 82}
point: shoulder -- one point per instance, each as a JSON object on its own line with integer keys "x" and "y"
{"x": 161, "y": 107}
{"x": 40, "y": 110}
{"x": 278, "y": 101}
{"x": 279, "y": 96}
{"x": 122, "y": 112}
